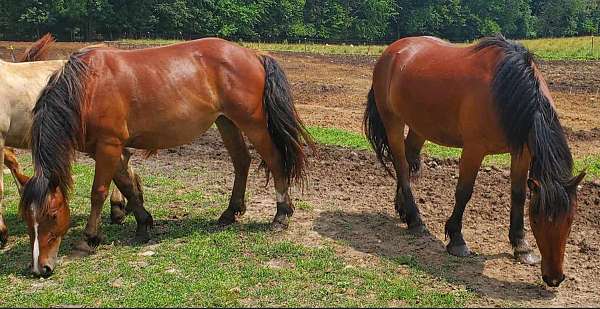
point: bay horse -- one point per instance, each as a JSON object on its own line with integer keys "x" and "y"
{"x": 106, "y": 99}
{"x": 21, "y": 84}
{"x": 489, "y": 98}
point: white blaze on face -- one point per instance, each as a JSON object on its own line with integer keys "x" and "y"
{"x": 36, "y": 244}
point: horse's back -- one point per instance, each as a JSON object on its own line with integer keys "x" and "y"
{"x": 440, "y": 90}
{"x": 168, "y": 95}
{"x": 20, "y": 86}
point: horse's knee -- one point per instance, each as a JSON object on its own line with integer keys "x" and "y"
{"x": 99, "y": 194}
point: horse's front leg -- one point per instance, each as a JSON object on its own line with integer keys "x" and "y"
{"x": 470, "y": 162}
{"x": 518, "y": 174}
{"x": 107, "y": 156}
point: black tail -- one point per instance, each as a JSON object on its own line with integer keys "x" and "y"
{"x": 528, "y": 118}
{"x": 285, "y": 127}
{"x": 375, "y": 132}
{"x": 57, "y": 131}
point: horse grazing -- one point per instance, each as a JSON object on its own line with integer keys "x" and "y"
{"x": 20, "y": 86}
{"x": 106, "y": 99}
{"x": 489, "y": 98}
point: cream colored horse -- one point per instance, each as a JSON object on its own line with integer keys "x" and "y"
{"x": 21, "y": 84}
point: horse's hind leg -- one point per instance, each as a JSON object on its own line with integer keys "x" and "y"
{"x": 470, "y": 162}
{"x": 3, "y": 227}
{"x": 118, "y": 206}
{"x": 518, "y": 174}
{"x": 261, "y": 139}
{"x": 130, "y": 186}
{"x": 236, "y": 147}
{"x": 414, "y": 143}
{"x": 404, "y": 201}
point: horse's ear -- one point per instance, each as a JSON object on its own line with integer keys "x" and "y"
{"x": 533, "y": 185}
{"x": 574, "y": 183}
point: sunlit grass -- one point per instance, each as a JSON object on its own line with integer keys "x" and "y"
{"x": 572, "y": 48}
{"x": 343, "y": 138}
{"x": 195, "y": 264}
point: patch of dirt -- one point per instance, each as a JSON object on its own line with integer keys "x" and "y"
{"x": 352, "y": 210}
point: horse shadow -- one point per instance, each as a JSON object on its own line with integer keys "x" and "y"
{"x": 380, "y": 234}
{"x": 15, "y": 259}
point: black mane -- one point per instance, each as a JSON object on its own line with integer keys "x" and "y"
{"x": 528, "y": 118}
{"x": 57, "y": 130}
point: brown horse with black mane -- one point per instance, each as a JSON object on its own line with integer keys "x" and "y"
{"x": 152, "y": 99}
{"x": 489, "y": 98}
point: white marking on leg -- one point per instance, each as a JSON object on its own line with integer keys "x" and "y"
{"x": 36, "y": 244}
{"x": 280, "y": 197}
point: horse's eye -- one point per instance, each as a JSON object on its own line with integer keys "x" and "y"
{"x": 51, "y": 238}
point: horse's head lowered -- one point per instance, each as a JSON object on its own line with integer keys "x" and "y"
{"x": 48, "y": 220}
{"x": 551, "y": 230}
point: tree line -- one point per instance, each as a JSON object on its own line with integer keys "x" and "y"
{"x": 276, "y": 20}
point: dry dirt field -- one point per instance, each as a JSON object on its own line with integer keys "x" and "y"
{"x": 352, "y": 198}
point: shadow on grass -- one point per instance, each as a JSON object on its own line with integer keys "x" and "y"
{"x": 15, "y": 259}
{"x": 370, "y": 233}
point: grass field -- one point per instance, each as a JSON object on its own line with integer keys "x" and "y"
{"x": 193, "y": 263}
{"x": 575, "y": 48}
{"x": 196, "y": 264}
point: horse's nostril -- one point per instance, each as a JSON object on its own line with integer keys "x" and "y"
{"x": 553, "y": 282}
{"x": 46, "y": 271}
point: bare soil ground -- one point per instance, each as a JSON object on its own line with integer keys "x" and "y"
{"x": 351, "y": 209}
{"x": 351, "y": 198}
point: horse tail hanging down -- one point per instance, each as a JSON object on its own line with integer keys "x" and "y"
{"x": 285, "y": 127}
{"x": 38, "y": 51}
{"x": 375, "y": 132}
{"x": 528, "y": 118}
{"x": 57, "y": 131}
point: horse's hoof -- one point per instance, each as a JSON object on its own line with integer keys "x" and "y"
{"x": 458, "y": 250}
{"x": 527, "y": 258}
{"x": 142, "y": 234}
{"x": 95, "y": 241}
{"x": 226, "y": 219}
{"x": 419, "y": 229}
{"x": 82, "y": 249}
{"x": 3, "y": 237}
{"x": 280, "y": 225}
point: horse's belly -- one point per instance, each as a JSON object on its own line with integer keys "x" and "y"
{"x": 170, "y": 134}
{"x": 18, "y": 134}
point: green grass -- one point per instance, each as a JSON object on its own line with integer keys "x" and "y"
{"x": 343, "y": 138}
{"x": 573, "y": 48}
{"x": 196, "y": 264}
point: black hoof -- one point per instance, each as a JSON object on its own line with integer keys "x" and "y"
{"x": 95, "y": 241}
{"x": 227, "y": 218}
{"x": 527, "y": 258}
{"x": 3, "y": 237}
{"x": 460, "y": 250}
{"x": 417, "y": 229}
{"x": 117, "y": 214}
{"x": 280, "y": 224}
{"x": 142, "y": 234}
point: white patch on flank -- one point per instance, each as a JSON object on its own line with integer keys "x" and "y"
{"x": 36, "y": 244}
{"x": 280, "y": 197}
